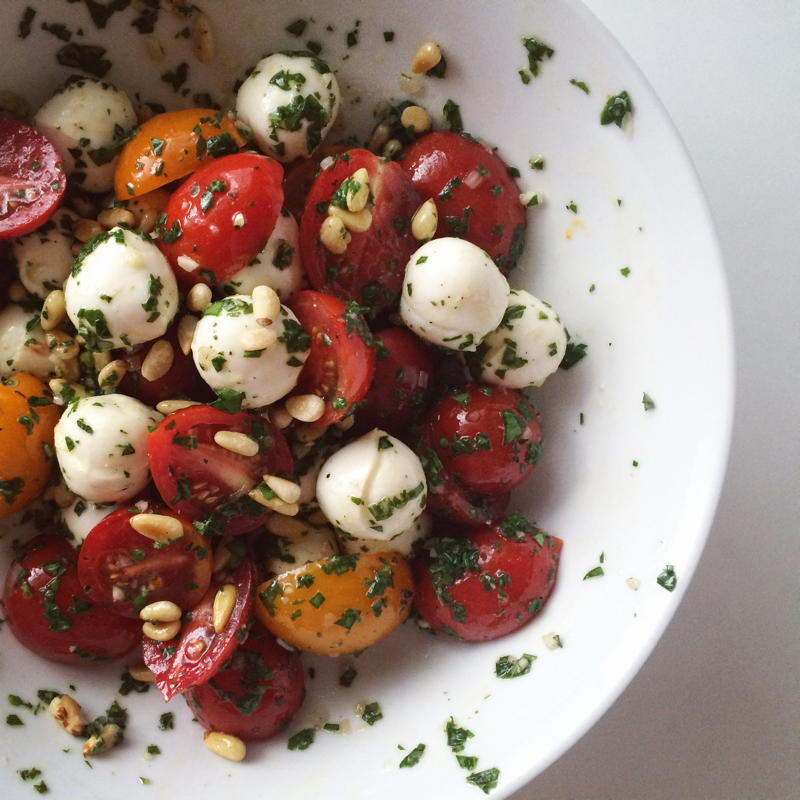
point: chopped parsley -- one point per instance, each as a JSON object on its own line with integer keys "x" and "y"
{"x": 615, "y": 109}
{"x": 371, "y": 713}
{"x": 457, "y": 737}
{"x": 302, "y": 740}
{"x": 648, "y": 402}
{"x": 511, "y": 667}
{"x": 452, "y": 113}
{"x": 580, "y": 84}
{"x": 386, "y": 506}
{"x": 573, "y": 353}
{"x": 667, "y": 579}
{"x": 486, "y": 780}
{"x": 228, "y": 400}
{"x": 537, "y": 52}
{"x": 412, "y": 759}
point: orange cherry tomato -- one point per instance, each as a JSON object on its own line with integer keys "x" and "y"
{"x": 170, "y": 146}
{"x": 337, "y": 605}
{"x": 27, "y": 420}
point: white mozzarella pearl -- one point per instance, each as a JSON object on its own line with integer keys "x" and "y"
{"x": 44, "y": 258}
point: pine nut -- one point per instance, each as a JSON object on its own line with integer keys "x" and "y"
{"x": 107, "y": 739}
{"x": 288, "y": 491}
{"x": 425, "y": 221}
{"x": 68, "y": 714}
{"x": 54, "y": 310}
{"x": 158, "y": 527}
{"x": 58, "y": 386}
{"x": 186, "y": 328}
{"x": 275, "y": 504}
{"x": 308, "y": 432}
{"x": 60, "y": 495}
{"x": 161, "y": 631}
{"x": 85, "y": 229}
{"x": 379, "y": 137}
{"x": 224, "y": 601}
{"x": 158, "y": 361}
{"x": 280, "y": 417}
{"x": 410, "y": 84}
{"x": 346, "y": 423}
{"x": 167, "y": 407}
{"x": 305, "y": 407}
{"x": 357, "y": 222}
{"x": 111, "y": 375}
{"x": 333, "y": 235}
{"x": 357, "y": 201}
{"x": 17, "y": 292}
{"x": 62, "y": 345}
{"x": 139, "y": 672}
{"x": 111, "y": 217}
{"x": 416, "y": 117}
{"x": 288, "y": 527}
{"x": 259, "y": 338}
{"x": 392, "y": 148}
{"x": 202, "y": 39}
{"x": 161, "y": 611}
{"x": 199, "y": 297}
{"x": 101, "y": 359}
{"x": 266, "y": 305}
{"x": 426, "y": 58}
{"x": 155, "y": 50}
{"x": 222, "y": 555}
{"x": 237, "y": 442}
{"x": 225, "y": 745}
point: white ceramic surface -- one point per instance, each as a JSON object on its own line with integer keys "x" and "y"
{"x": 649, "y": 332}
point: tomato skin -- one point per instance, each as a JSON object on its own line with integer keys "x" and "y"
{"x": 167, "y": 146}
{"x": 347, "y": 603}
{"x": 371, "y": 270}
{"x": 198, "y": 652}
{"x": 497, "y": 221}
{"x": 115, "y": 555}
{"x": 487, "y": 437}
{"x": 509, "y": 583}
{"x": 449, "y": 500}
{"x": 29, "y": 163}
{"x": 401, "y": 385}
{"x": 236, "y": 224}
{"x": 182, "y": 449}
{"x": 27, "y": 421}
{"x": 300, "y": 175}
{"x": 230, "y": 701}
{"x": 81, "y": 636}
{"x": 342, "y": 369}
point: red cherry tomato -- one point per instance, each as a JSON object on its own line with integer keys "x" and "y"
{"x": 50, "y": 612}
{"x": 198, "y": 652}
{"x": 449, "y": 500}
{"x": 400, "y": 388}
{"x": 255, "y": 694}
{"x": 126, "y": 571}
{"x": 32, "y": 178}
{"x": 371, "y": 270}
{"x": 487, "y": 437}
{"x": 300, "y": 175}
{"x": 221, "y": 217}
{"x": 341, "y": 362}
{"x": 476, "y": 197}
{"x": 488, "y": 583}
{"x": 199, "y": 479}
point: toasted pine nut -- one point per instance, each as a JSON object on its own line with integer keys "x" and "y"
{"x": 111, "y": 217}
{"x": 288, "y": 491}
{"x": 62, "y": 345}
{"x": 266, "y": 305}
{"x": 199, "y": 297}
{"x": 101, "y": 359}
{"x": 357, "y": 201}
{"x": 416, "y": 117}
{"x": 186, "y": 327}
{"x": 275, "y": 504}
{"x": 346, "y": 423}
{"x": 392, "y": 148}
{"x": 259, "y": 338}
{"x": 58, "y": 386}
{"x": 202, "y": 39}
{"x": 17, "y": 292}
{"x": 158, "y": 361}
{"x": 426, "y": 58}
{"x": 85, "y": 229}
{"x": 54, "y": 310}
{"x": 158, "y": 527}
{"x": 67, "y": 713}
{"x": 355, "y": 221}
{"x": 237, "y": 442}
{"x": 171, "y": 406}
{"x": 161, "y": 631}
{"x": 111, "y": 375}
{"x": 225, "y": 745}
{"x": 425, "y": 221}
{"x": 305, "y": 407}
{"x": 224, "y": 601}
{"x": 379, "y": 137}
{"x": 139, "y": 672}
{"x": 280, "y": 417}
{"x": 334, "y": 235}
{"x": 108, "y": 738}
{"x": 288, "y": 527}
{"x": 161, "y": 611}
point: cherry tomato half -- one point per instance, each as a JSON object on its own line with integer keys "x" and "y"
{"x": 50, "y": 612}
{"x": 341, "y": 361}
{"x": 198, "y": 652}
{"x": 488, "y": 583}
{"x": 474, "y": 193}
{"x": 371, "y": 270}
{"x": 220, "y": 218}
{"x": 197, "y": 478}
{"x": 32, "y": 178}
{"x": 169, "y": 146}
{"x": 255, "y": 695}
{"x": 126, "y": 571}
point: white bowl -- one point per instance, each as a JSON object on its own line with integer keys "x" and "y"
{"x": 664, "y": 329}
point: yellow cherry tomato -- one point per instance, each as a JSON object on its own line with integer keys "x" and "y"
{"x": 27, "y": 420}
{"x": 338, "y": 605}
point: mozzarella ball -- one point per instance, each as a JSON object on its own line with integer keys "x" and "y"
{"x": 87, "y": 120}
{"x": 82, "y": 516}
{"x": 277, "y": 265}
{"x": 219, "y": 348}
{"x": 289, "y": 102}
{"x": 403, "y": 543}
{"x": 122, "y": 291}
{"x": 44, "y": 258}
{"x": 23, "y": 346}
{"x": 453, "y": 294}
{"x": 373, "y": 488}
{"x": 101, "y": 446}
{"x": 314, "y": 545}
{"x": 527, "y": 346}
